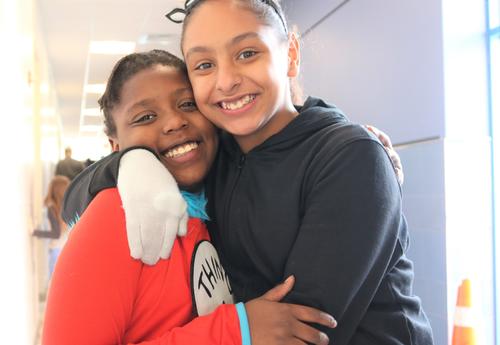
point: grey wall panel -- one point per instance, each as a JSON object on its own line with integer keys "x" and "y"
{"x": 424, "y": 208}
{"x": 381, "y": 62}
{"x": 305, "y": 14}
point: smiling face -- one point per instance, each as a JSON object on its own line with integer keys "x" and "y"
{"x": 157, "y": 110}
{"x": 240, "y": 68}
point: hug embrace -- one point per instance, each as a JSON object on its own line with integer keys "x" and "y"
{"x": 295, "y": 212}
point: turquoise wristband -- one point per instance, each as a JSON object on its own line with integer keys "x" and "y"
{"x": 244, "y": 328}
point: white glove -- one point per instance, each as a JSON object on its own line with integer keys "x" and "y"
{"x": 155, "y": 212}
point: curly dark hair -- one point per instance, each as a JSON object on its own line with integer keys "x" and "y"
{"x": 124, "y": 69}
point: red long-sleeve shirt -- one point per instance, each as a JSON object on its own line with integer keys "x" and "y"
{"x": 100, "y": 295}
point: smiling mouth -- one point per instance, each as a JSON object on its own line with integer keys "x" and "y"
{"x": 237, "y": 104}
{"x": 180, "y": 150}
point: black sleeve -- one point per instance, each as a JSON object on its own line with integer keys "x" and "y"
{"x": 348, "y": 236}
{"x": 55, "y": 230}
{"x": 85, "y": 186}
{"x": 45, "y": 234}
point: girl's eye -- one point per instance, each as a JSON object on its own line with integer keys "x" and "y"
{"x": 203, "y": 66}
{"x": 144, "y": 118}
{"x": 247, "y": 54}
{"x": 188, "y": 106}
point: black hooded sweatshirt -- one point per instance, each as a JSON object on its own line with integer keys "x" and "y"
{"x": 319, "y": 200}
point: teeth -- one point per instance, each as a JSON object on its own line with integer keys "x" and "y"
{"x": 181, "y": 149}
{"x": 238, "y": 104}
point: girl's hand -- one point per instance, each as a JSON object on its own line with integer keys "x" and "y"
{"x": 396, "y": 160}
{"x": 155, "y": 212}
{"x": 272, "y": 322}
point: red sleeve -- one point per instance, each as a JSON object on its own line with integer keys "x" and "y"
{"x": 95, "y": 287}
{"x": 218, "y": 328}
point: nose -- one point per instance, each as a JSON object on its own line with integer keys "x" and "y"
{"x": 228, "y": 78}
{"x": 174, "y": 122}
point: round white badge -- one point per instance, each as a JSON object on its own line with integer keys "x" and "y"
{"x": 209, "y": 281}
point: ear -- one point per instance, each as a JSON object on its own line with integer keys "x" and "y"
{"x": 293, "y": 55}
{"x": 114, "y": 144}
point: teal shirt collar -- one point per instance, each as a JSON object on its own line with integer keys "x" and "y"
{"x": 197, "y": 203}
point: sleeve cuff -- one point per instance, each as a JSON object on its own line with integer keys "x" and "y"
{"x": 244, "y": 328}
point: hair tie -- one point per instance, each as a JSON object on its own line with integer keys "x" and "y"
{"x": 183, "y": 12}
{"x": 170, "y": 15}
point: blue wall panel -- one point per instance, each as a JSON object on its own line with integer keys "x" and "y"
{"x": 379, "y": 61}
{"x": 424, "y": 208}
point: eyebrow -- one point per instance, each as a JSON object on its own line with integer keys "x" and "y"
{"x": 149, "y": 101}
{"x": 181, "y": 90}
{"x": 142, "y": 103}
{"x": 233, "y": 41}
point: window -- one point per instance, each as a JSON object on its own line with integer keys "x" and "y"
{"x": 494, "y": 13}
{"x": 493, "y": 58}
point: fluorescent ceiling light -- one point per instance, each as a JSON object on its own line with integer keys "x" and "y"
{"x": 112, "y": 47}
{"x": 91, "y": 112}
{"x": 161, "y": 39}
{"x": 95, "y": 88}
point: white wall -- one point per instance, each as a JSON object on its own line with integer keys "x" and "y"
{"x": 29, "y": 143}
{"x": 16, "y": 299}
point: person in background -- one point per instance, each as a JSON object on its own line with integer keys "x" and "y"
{"x": 53, "y": 227}
{"x": 68, "y": 166}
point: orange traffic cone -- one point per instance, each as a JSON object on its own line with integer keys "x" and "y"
{"x": 463, "y": 325}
